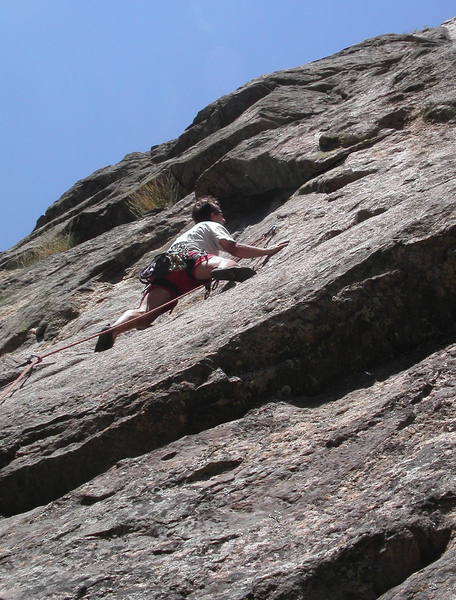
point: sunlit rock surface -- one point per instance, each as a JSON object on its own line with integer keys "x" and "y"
{"x": 291, "y": 437}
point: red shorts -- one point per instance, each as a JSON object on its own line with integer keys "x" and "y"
{"x": 181, "y": 280}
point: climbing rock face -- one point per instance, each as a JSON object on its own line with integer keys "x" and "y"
{"x": 291, "y": 437}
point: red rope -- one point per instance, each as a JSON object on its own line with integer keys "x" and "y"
{"x": 35, "y": 359}
{"x": 131, "y": 321}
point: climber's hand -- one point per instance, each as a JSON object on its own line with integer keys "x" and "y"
{"x": 278, "y": 248}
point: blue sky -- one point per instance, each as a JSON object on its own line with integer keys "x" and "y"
{"x": 85, "y": 82}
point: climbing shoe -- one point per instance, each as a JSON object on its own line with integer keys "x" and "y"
{"x": 105, "y": 340}
{"x": 233, "y": 274}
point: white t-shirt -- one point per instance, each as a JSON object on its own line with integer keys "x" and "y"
{"x": 205, "y": 236}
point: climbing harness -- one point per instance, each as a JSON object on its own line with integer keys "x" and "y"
{"x": 179, "y": 257}
{"x": 35, "y": 359}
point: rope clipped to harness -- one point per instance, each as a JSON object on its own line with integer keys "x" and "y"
{"x": 172, "y": 260}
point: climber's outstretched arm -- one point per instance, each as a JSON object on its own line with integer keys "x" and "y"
{"x": 245, "y": 251}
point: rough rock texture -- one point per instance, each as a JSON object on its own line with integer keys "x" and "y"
{"x": 292, "y": 437}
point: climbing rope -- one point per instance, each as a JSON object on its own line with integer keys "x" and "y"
{"x": 36, "y": 359}
{"x": 30, "y": 363}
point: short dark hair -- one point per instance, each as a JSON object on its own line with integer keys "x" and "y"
{"x": 204, "y": 207}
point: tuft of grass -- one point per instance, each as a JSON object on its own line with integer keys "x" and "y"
{"x": 157, "y": 193}
{"x": 49, "y": 246}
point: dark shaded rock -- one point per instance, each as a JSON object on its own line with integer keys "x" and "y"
{"x": 213, "y": 118}
{"x": 441, "y": 110}
{"x": 266, "y": 507}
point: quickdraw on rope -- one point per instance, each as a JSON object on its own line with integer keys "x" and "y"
{"x": 266, "y": 239}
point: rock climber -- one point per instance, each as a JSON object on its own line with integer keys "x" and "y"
{"x": 200, "y": 247}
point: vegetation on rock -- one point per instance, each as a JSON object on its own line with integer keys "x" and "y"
{"x": 46, "y": 247}
{"x": 159, "y": 193}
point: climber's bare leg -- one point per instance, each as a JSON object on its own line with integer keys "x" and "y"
{"x": 205, "y": 268}
{"x": 155, "y": 298}
{"x": 222, "y": 269}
